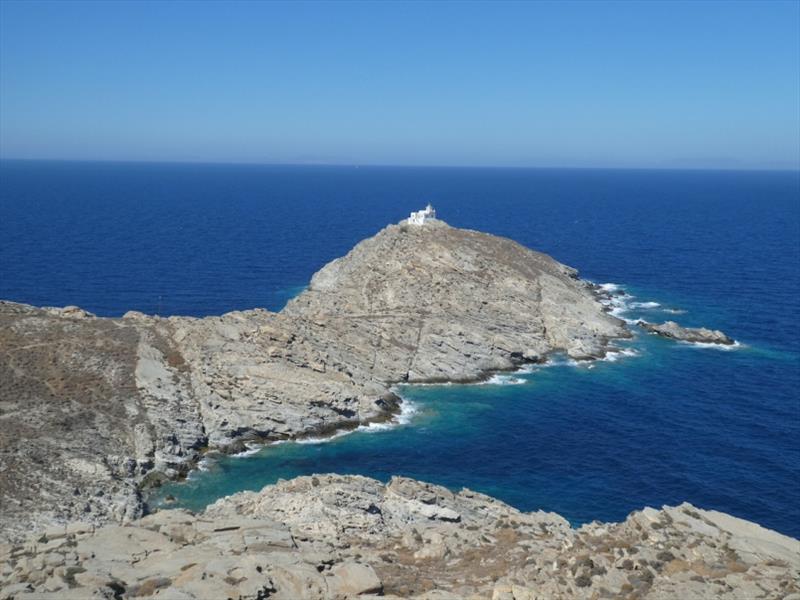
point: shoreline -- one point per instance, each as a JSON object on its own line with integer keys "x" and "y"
{"x": 612, "y": 295}
{"x": 428, "y": 304}
{"x": 395, "y": 420}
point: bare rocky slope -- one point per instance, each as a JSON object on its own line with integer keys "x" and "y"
{"x": 331, "y": 536}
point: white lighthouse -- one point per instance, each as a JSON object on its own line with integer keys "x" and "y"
{"x": 421, "y": 216}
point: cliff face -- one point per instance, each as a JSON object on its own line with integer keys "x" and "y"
{"x": 436, "y": 303}
{"x": 331, "y": 536}
{"x": 93, "y": 406}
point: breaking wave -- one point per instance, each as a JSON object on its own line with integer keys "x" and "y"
{"x": 621, "y": 303}
{"x": 407, "y": 411}
{"x": 251, "y": 449}
{"x": 498, "y": 379}
{"x": 724, "y": 347}
{"x": 644, "y": 304}
{"x": 610, "y": 287}
{"x": 616, "y": 354}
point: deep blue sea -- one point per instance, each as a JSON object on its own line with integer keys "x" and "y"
{"x": 671, "y": 422}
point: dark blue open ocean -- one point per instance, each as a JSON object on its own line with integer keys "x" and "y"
{"x": 673, "y": 422}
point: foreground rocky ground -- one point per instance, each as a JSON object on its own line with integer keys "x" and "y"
{"x": 331, "y": 536}
{"x": 92, "y": 409}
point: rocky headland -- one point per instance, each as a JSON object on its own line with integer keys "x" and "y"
{"x": 94, "y": 410}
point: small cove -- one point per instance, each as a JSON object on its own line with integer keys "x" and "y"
{"x": 556, "y": 437}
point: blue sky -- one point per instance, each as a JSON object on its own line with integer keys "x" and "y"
{"x": 626, "y": 84}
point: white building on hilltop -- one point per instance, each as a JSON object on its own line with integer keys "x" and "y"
{"x": 421, "y": 216}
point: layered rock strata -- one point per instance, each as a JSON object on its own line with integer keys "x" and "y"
{"x": 330, "y": 536}
{"x": 93, "y": 408}
{"x": 701, "y": 335}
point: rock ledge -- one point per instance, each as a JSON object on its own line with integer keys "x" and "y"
{"x": 331, "y": 536}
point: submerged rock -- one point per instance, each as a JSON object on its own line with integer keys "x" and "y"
{"x": 332, "y": 536}
{"x": 670, "y": 329}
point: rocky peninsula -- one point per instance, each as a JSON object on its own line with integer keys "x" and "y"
{"x": 94, "y": 410}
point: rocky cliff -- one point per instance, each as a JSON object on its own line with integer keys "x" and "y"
{"x": 93, "y": 408}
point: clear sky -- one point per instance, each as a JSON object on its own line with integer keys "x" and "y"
{"x": 627, "y": 84}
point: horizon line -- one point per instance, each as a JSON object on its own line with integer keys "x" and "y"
{"x": 355, "y": 165}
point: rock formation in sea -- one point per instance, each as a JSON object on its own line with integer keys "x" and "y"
{"x": 670, "y": 329}
{"x": 332, "y": 536}
{"x": 94, "y": 408}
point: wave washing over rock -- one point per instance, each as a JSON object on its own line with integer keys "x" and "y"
{"x": 96, "y": 409}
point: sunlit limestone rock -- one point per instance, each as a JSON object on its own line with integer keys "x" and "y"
{"x": 331, "y": 536}
{"x": 94, "y": 408}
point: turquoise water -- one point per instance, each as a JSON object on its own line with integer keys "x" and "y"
{"x": 589, "y": 440}
{"x": 673, "y": 423}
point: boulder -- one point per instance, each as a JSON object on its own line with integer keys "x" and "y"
{"x": 353, "y": 579}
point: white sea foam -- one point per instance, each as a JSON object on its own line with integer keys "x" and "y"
{"x": 620, "y": 312}
{"x": 552, "y": 361}
{"x": 674, "y": 311}
{"x": 203, "y": 465}
{"x": 326, "y": 439}
{"x": 610, "y": 287}
{"x": 619, "y": 304}
{"x": 724, "y": 347}
{"x": 407, "y": 411}
{"x": 559, "y": 360}
{"x": 644, "y": 305}
{"x": 614, "y": 356}
{"x": 498, "y": 379}
{"x": 251, "y": 449}
{"x": 375, "y": 427}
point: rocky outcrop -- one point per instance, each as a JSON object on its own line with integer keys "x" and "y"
{"x": 93, "y": 408}
{"x": 447, "y": 304}
{"x": 331, "y": 536}
{"x": 670, "y": 329}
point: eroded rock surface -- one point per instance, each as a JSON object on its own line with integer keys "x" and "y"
{"x": 670, "y": 329}
{"x": 93, "y": 408}
{"x": 330, "y": 536}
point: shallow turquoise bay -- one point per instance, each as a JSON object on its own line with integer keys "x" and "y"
{"x": 587, "y": 440}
